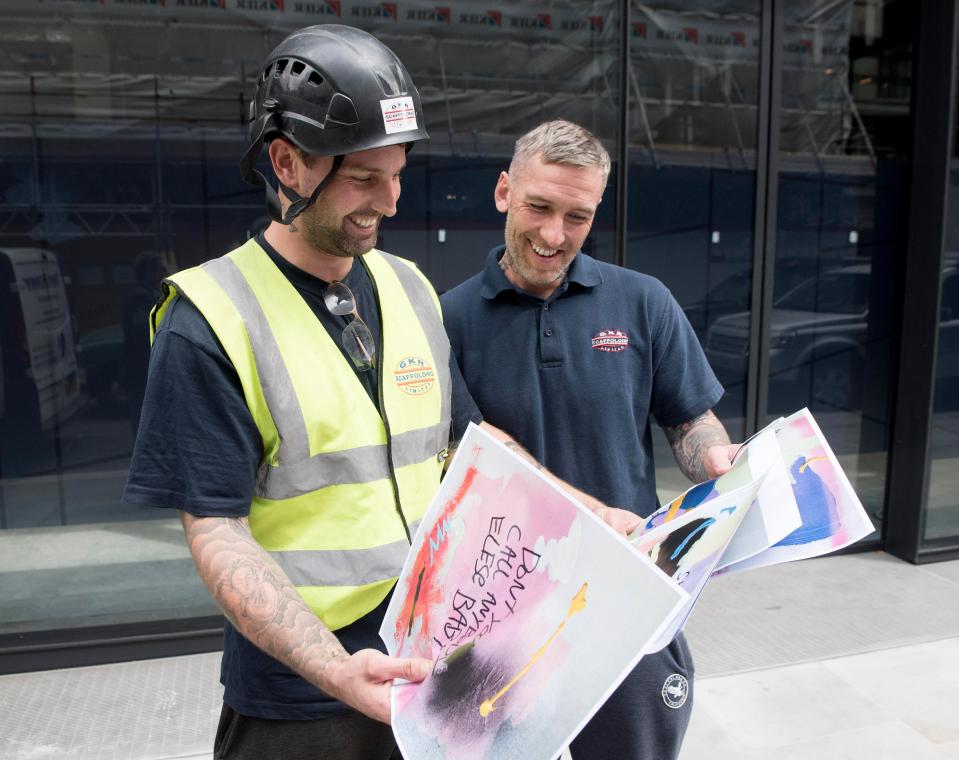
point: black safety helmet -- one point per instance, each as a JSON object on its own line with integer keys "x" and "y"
{"x": 330, "y": 90}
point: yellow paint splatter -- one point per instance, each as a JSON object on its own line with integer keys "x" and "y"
{"x": 673, "y": 510}
{"x": 804, "y": 465}
{"x": 578, "y": 604}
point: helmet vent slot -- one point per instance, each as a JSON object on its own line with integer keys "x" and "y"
{"x": 390, "y": 80}
{"x": 280, "y": 65}
{"x": 315, "y": 79}
{"x": 297, "y": 68}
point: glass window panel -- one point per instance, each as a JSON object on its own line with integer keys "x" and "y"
{"x": 121, "y": 131}
{"x": 694, "y": 80}
{"x": 844, "y": 148}
{"x": 486, "y": 77}
{"x": 942, "y": 505}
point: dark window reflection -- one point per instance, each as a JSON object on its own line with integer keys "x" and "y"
{"x": 122, "y": 126}
{"x": 845, "y": 143}
{"x": 942, "y": 505}
{"x": 694, "y": 94}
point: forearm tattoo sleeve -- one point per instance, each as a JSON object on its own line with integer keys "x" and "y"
{"x": 257, "y": 597}
{"x": 692, "y": 439}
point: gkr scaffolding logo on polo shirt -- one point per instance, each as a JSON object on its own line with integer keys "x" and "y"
{"x": 414, "y": 376}
{"x": 611, "y": 341}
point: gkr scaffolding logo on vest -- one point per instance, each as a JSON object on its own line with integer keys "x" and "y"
{"x": 414, "y": 376}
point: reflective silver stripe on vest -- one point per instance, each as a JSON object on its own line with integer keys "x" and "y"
{"x": 360, "y": 465}
{"x": 296, "y": 473}
{"x": 344, "y": 567}
{"x": 425, "y": 309}
{"x": 275, "y": 379}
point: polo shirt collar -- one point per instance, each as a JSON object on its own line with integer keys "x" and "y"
{"x": 583, "y": 271}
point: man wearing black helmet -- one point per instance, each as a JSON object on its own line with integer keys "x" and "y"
{"x": 300, "y": 405}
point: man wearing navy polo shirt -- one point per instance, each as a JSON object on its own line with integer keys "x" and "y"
{"x": 573, "y": 356}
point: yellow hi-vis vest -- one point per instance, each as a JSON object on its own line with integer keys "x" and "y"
{"x": 341, "y": 489}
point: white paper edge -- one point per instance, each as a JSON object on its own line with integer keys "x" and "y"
{"x": 775, "y": 555}
{"x": 681, "y": 600}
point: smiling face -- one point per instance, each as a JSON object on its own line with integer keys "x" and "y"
{"x": 345, "y": 219}
{"x": 549, "y": 211}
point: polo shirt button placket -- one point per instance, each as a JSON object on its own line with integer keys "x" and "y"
{"x": 550, "y": 350}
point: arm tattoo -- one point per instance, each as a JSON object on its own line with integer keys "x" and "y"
{"x": 690, "y": 441}
{"x": 256, "y": 596}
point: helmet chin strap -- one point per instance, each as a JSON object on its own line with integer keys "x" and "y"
{"x": 299, "y": 204}
{"x": 252, "y": 175}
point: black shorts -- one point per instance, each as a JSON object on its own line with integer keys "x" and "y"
{"x": 343, "y": 736}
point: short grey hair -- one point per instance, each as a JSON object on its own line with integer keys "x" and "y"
{"x": 562, "y": 142}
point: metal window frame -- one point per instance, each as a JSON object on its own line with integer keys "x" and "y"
{"x": 622, "y": 147}
{"x": 934, "y": 103}
{"x": 766, "y": 211}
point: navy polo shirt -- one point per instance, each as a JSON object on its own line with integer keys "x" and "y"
{"x": 576, "y": 377}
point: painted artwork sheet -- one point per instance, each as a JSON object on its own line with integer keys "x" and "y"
{"x": 831, "y": 513}
{"x": 689, "y": 546}
{"x": 531, "y": 608}
{"x": 774, "y": 515}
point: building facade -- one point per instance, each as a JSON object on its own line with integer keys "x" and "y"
{"x": 785, "y": 168}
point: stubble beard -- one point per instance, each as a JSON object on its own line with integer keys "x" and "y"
{"x": 325, "y": 235}
{"x": 510, "y": 261}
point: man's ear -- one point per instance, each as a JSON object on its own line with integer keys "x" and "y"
{"x": 284, "y": 158}
{"x": 501, "y": 193}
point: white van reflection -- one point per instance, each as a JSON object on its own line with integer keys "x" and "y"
{"x": 39, "y": 379}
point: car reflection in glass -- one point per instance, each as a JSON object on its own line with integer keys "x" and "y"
{"x": 819, "y": 325}
{"x": 820, "y": 328}
{"x": 731, "y": 295}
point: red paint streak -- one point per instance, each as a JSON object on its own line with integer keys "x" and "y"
{"x": 429, "y": 595}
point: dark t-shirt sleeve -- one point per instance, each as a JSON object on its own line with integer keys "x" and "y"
{"x": 198, "y": 447}
{"x": 684, "y": 385}
{"x": 463, "y": 409}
